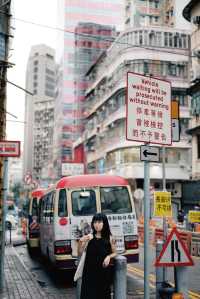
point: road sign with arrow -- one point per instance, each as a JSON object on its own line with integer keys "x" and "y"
{"x": 149, "y": 153}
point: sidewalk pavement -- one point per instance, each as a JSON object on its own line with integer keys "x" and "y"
{"x": 19, "y": 282}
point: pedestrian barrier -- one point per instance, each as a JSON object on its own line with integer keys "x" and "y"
{"x": 186, "y": 237}
{"x": 195, "y": 244}
{"x": 156, "y": 234}
{"x": 141, "y": 234}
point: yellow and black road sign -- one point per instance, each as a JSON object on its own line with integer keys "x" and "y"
{"x": 194, "y": 216}
{"x": 162, "y": 204}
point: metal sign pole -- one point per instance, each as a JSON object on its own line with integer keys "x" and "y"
{"x": 164, "y": 218}
{"x": 146, "y": 229}
{"x": 2, "y": 232}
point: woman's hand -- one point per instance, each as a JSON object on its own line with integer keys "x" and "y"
{"x": 106, "y": 261}
{"x": 86, "y": 238}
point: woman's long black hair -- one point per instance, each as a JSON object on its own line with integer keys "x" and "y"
{"x": 105, "y": 233}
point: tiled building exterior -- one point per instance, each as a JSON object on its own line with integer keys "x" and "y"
{"x": 70, "y": 13}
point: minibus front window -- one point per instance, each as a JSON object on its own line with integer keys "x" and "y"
{"x": 115, "y": 200}
{"x": 83, "y": 202}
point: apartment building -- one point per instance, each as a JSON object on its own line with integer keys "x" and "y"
{"x": 191, "y": 13}
{"x": 39, "y": 110}
{"x": 70, "y": 14}
{"x": 91, "y": 40}
{"x": 140, "y": 13}
{"x": 160, "y": 52}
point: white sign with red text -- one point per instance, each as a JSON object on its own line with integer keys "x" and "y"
{"x": 9, "y": 148}
{"x": 148, "y": 109}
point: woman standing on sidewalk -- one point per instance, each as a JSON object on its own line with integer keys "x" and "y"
{"x": 97, "y": 273}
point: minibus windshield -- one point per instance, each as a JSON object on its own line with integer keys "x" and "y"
{"x": 83, "y": 202}
{"x": 115, "y": 200}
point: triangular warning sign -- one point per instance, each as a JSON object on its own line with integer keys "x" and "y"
{"x": 174, "y": 252}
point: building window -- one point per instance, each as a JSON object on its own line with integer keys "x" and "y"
{"x": 198, "y": 146}
{"x": 35, "y": 62}
{"x": 184, "y": 125}
{"x": 35, "y": 69}
{"x": 49, "y": 72}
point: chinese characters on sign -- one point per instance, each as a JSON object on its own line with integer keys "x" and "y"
{"x": 194, "y": 216}
{"x": 148, "y": 109}
{"x": 162, "y": 204}
{"x": 72, "y": 168}
{"x": 9, "y": 148}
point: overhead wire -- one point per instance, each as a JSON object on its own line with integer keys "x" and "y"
{"x": 100, "y": 37}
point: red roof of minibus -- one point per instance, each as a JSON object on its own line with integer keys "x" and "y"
{"x": 38, "y": 193}
{"x": 91, "y": 180}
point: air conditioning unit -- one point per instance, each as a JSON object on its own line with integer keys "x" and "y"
{"x": 195, "y": 74}
{"x": 91, "y": 148}
{"x": 151, "y": 32}
{"x": 196, "y": 53}
{"x": 112, "y": 125}
{"x": 196, "y": 20}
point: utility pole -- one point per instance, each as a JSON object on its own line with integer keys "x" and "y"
{"x": 4, "y": 64}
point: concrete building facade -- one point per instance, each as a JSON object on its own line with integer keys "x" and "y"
{"x": 191, "y": 13}
{"x": 91, "y": 40}
{"x": 140, "y": 13}
{"x": 40, "y": 80}
{"x": 70, "y": 13}
{"x": 157, "y": 52}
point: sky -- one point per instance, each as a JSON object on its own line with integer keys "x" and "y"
{"x": 26, "y": 35}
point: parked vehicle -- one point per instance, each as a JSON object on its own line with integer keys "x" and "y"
{"x": 11, "y": 221}
{"x": 66, "y": 212}
{"x": 33, "y": 229}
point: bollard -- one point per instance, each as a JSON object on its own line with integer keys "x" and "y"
{"x": 159, "y": 270}
{"x": 119, "y": 286}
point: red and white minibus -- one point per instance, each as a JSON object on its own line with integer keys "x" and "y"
{"x": 67, "y": 209}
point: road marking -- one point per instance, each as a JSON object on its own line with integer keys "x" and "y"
{"x": 152, "y": 277}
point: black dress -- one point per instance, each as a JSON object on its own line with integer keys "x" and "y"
{"x": 96, "y": 280}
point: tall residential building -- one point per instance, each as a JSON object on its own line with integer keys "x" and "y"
{"x": 192, "y": 14}
{"x": 140, "y": 13}
{"x": 40, "y": 80}
{"x": 70, "y": 13}
{"x": 158, "y": 52}
{"x": 91, "y": 40}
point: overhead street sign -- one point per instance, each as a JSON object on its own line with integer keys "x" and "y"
{"x": 148, "y": 109}
{"x": 149, "y": 153}
{"x": 174, "y": 252}
{"x": 9, "y": 148}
